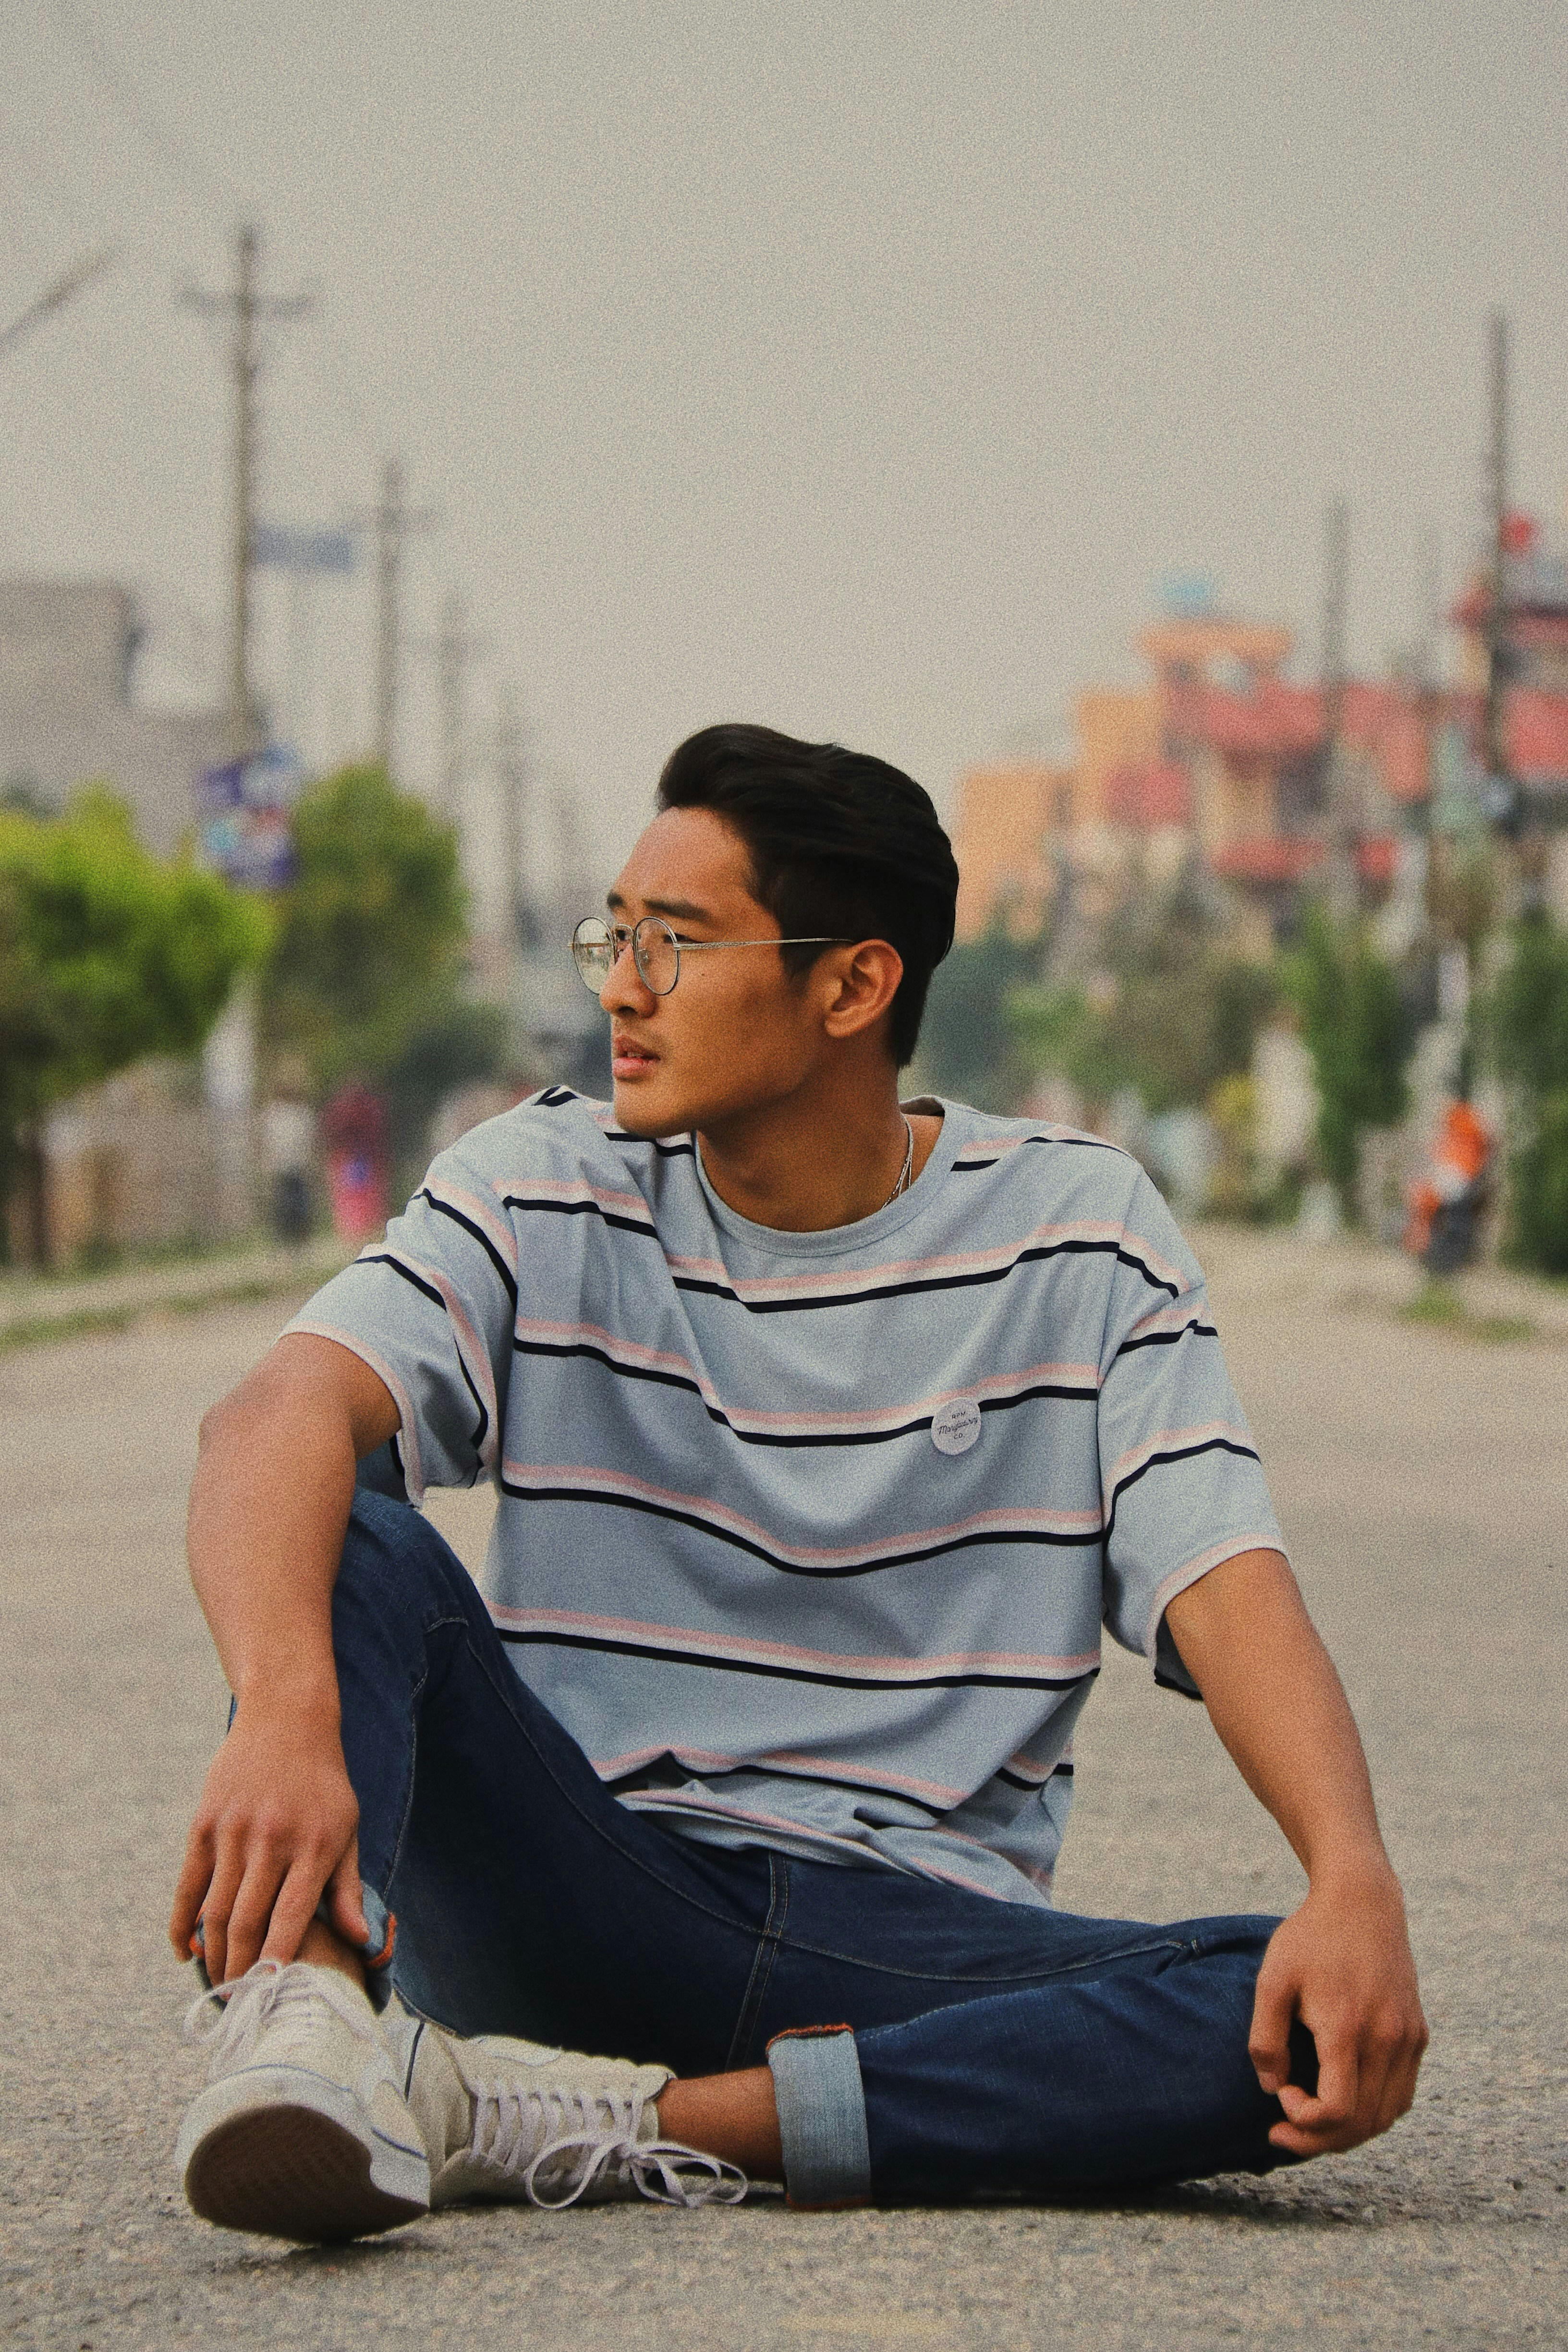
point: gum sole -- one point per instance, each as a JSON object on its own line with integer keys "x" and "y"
{"x": 289, "y": 2172}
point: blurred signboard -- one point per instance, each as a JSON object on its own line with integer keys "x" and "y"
{"x": 242, "y": 807}
{"x": 286, "y": 548}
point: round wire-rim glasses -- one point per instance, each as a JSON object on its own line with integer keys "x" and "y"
{"x": 597, "y": 947}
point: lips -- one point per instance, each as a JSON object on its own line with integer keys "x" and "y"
{"x": 630, "y": 1060}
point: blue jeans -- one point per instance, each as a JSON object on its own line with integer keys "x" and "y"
{"x": 926, "y": 2044}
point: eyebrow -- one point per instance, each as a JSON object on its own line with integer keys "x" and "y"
{"x": 681, "y": 908}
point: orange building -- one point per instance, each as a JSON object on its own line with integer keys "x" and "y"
{"x": 1215, "y": 751}
{"x": 1009, "y": 816}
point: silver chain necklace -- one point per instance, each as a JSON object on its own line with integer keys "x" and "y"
{"x": 906, "y": 1172}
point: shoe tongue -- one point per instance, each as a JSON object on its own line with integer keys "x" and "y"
{"x": 442, "y": 2100}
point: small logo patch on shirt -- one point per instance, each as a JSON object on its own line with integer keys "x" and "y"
{"x": 955, "y": 1427}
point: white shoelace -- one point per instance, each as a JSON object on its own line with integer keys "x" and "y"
{"x": 507, "y": 2127}
{"x": 227, "y": 2020}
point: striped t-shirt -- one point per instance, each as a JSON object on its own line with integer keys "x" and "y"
{"x": 808, "y": 1538}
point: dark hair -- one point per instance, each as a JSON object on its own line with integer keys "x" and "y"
{"x": 839, "y": 844}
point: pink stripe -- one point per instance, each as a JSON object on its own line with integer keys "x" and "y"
{"x": 903, "y": 1269}
{"x": 523, "y": 1189}
{"x": 719, "y": 1645}
{"x": 1199, "y": 1436}
{"x": 610, "y": 1482}
{"x": 473, "y": 1349}
{"x": 892, "y": 1416}
{"x": 828, "y": 1769}
{"x": 1165, "y": 1319}
{"x": 503, "y": 1234}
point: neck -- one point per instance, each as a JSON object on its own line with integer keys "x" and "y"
{"x": 827, "y": 1155}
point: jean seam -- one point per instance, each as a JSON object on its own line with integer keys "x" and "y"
{"x": 983, "y": 1984}
{"x": 762, "y": 1964}
{"x": 598, "y": 1829}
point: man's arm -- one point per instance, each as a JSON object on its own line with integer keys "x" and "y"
{"x": 1343, "y": 1962}
{"x": 269, "y": 1508}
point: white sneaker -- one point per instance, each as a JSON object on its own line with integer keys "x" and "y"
{"x": 509, "y": 2119}
{"x": 302, "y": 2131}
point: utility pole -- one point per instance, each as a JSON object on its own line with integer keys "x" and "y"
{"x": 1494, "y": 740}
{"x": 456, "y": 647}
{"x": 394, "y": 524}
{"x": 1344, "y": 884}
{"x": 511, "y": 778}
{"x": 245, "y": 307}
{"x": 1336, "y": 580}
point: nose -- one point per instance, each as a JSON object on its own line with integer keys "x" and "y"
{"x": 626, "y": 985}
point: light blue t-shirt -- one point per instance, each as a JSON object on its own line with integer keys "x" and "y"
{"x": 807, "y": 1538}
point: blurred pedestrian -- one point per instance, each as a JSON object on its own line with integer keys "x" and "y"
{"x": 353, "y": 1129}
{"x": 287, "y": 1156}
{"x": 1448, "y": 1197}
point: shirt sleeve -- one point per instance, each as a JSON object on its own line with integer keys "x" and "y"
{"x": 431, "y": 1309}
{"x": 1181, "y": 1484}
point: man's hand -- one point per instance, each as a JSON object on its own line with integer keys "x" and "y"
{"x": 278, "y": 1818}
{"x": 276, "y": 1824}
{"x": 1342, "y": 1965}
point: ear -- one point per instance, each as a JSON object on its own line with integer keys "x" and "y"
{"x": 858, "y": 984}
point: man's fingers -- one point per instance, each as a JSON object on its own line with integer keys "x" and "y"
{"x": 228, "y": 1869}
{"x": 196, "y": 1878}
{"x": 1327, "y": 2118}
{"x": 345, "y": 1901}
{"x": 251, "y": 1913}
{"x": 293, "y": 1909}
{"x": 1273, "y": 2013}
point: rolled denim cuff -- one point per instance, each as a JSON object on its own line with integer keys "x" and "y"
{"x": 376, "y": 1950}
{"x": 822, "y": 2117}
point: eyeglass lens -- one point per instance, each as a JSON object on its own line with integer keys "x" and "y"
{"x": 595, "y": 948}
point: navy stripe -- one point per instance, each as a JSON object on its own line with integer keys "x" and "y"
{"x": 708, "y": 1289}
{"x": 1072, "y": 1142}
{"x": 429, "y": 1290}
{"x": 665, "y": 1151}
{"x": 445, "y": 1209}
{"x": 580, "y": 1208}
{"x": 788, "y": 1567}
{"x": 773, "y": 1437}
{"x": 1167, "y": 1339}
{"x": 517, "y": 1639}
{"x": 1176, "y": 1453}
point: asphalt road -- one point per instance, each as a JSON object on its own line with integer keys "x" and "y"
{"x": 1421, "y": 1479}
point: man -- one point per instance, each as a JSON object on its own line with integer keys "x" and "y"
{"x": 826, "y": 1432}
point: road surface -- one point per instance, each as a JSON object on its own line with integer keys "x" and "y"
{"x": 1421, "y": 1479}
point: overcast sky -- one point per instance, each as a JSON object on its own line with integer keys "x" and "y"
{"x": 858, "y": 368}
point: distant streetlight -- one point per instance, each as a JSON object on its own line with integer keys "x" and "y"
{"x": 81, "y": 273}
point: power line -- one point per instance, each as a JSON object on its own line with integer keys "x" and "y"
{"x": 133, "y": 104}
{"x": 53, "y": 297}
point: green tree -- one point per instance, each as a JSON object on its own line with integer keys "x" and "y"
{"x": 106, "y": 954}
{"x": 1358, "y": 1032}
{"x": 1528, "y": 1022}
{"x": 966, "y": 1048}
{"x": 370, "y": 941}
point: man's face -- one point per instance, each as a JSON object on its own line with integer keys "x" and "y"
{"x": 736, "y": 1032}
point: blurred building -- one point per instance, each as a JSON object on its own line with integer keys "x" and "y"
{"x": 1215, "y": 752}
{"x": 1010, "y": 818}
{"x": 67, "y": 711}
